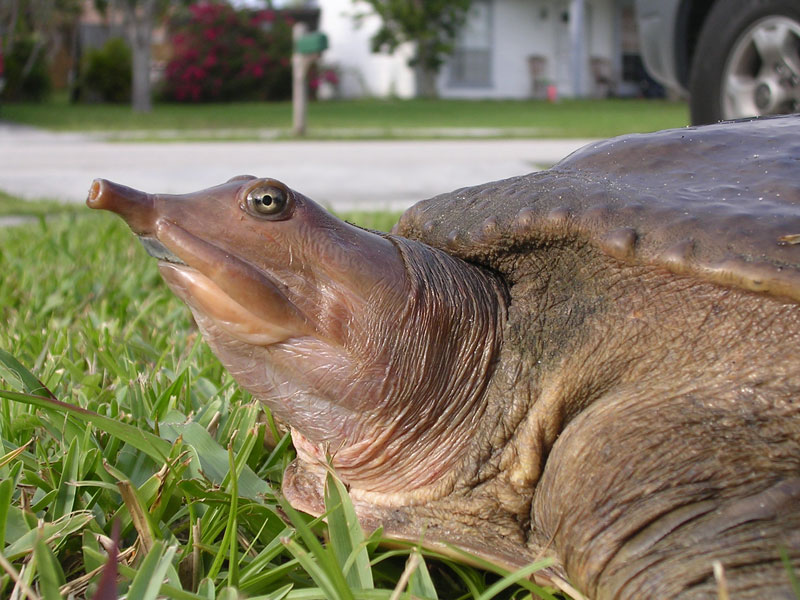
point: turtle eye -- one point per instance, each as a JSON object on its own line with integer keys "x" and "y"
{"x": 269, "y": 200}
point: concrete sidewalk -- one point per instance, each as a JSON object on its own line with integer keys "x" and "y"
{"x": 345, "y": 175}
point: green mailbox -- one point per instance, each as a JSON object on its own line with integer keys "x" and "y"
{"x": 311, "y": 43}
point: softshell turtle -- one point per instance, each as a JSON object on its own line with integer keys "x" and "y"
{"x": 598, "y": 362}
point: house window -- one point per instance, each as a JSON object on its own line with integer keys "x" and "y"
{"x": 471, "y": 62}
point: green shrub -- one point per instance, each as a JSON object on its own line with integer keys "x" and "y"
{"x": 35, "y": 84}
{"x": 108, "y": 72}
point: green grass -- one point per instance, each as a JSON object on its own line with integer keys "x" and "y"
{"x": 362, "y": 118}
{"x": 11, "y": 205}
{"x": 89, "y": 326}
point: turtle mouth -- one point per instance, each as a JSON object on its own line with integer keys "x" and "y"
{"x": 158, "y": 250}
{"x": 217, "y": 285}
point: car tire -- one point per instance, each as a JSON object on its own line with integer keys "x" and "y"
{"x": 733, "y": 76}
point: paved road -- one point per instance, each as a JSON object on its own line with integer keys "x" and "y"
{"x": 344, "y": 175}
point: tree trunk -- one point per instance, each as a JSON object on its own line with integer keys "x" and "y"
{"x": 300, "y": 65}
{"x": 140, "y": 89}
{"x": 32, "y": 57}
{"x": 140, "y": 17}
{"x": 426, "y": 82}
{"x": 11, "y": 26}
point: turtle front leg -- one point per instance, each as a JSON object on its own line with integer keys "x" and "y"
{"x": 644, "y": 493}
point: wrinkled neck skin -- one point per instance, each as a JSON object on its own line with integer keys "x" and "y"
{"x": 397, "y": 395}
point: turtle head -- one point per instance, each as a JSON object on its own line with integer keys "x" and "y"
{"x": 355, "y": 339}
{"x": 258, "y": 261}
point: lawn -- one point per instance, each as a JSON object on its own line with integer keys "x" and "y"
{"x": 10, "y": 205}
{"x": 363, "y": 118}
{"x": 112, "y": 409}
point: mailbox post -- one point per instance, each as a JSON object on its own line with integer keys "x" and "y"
{"x": 307, "y": 47}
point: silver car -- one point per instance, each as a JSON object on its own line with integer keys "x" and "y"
{"x": 733, "y": 58}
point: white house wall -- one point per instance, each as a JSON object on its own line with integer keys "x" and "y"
{"x": 604, "y": 17}
{"x": 520, "y": 29}
{"x": 516, "y": 33}
{"x": 525, "y": 28}
{"x": 362, "y": 72}
{"x": 606, "y": 40}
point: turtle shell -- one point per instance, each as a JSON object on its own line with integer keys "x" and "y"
{"x": 719, "y": 202}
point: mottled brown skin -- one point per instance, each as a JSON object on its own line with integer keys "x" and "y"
{"x": 596, "y": 363}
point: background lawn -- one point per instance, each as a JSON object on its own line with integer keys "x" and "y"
{"x": 13, "y": 206}
{"x": 363, "y": 118}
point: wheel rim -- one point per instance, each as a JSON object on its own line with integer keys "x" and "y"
{"x": 762, "y": 75}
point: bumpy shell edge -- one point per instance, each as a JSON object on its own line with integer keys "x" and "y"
{"x": 719, "y": 202}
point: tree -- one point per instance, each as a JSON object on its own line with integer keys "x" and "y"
{"x": 139, "y": 18}
{"x": 31, "y": 31}
{"x": 432, "y": 25}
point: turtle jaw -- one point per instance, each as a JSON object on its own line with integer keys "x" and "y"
{"x": 159, "y": 251}
{"x": 206, "y": 298}
{"x": 237, "y": 296}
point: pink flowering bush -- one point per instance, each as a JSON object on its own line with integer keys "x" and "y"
{"x": 220, "y": 53}
{"x": 322, "y": 75}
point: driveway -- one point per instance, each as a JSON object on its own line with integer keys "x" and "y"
{"x": 345, "y": 175}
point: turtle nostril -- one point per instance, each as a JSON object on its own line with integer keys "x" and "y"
{"x": 135, "y": 207}
{"x": 96, "y": 189}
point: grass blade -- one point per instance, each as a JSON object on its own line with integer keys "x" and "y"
{"x": 139, "y": 516}
{"x": 233, "y": 560}
{"x": 147, "y": 583}
{"x": 320, "y": 575}
{"x": 144, "y": 441}
{"x": 519, "y": 579}
{"x": 228, "y": 544}
{"x": 65, "y": 497}
{"x": 16, "y": 577}
{"x": 278, "y": 594}
{"x": 50, "y": 532}
{"x": 162, "y": 402}
{"x": 421, "y": 584}
{"x": 213, "y": 458}
{"x": 6, "y": 491}
{"x": 347, "y": 537}
{"x": 517, "y": 576}
{"x": 411, "y": 566}
{"x": 790, "y": 572}
{"x": 8, "y": 457}
{"x": 51, "y": 577}
{"x": 167, "y": 590}
{"x": 29, "y": 382}
{"x": 228, "y": 593}
{"x": 326, "y": 567}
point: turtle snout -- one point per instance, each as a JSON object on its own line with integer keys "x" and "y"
{"x": 135, "y": 207}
